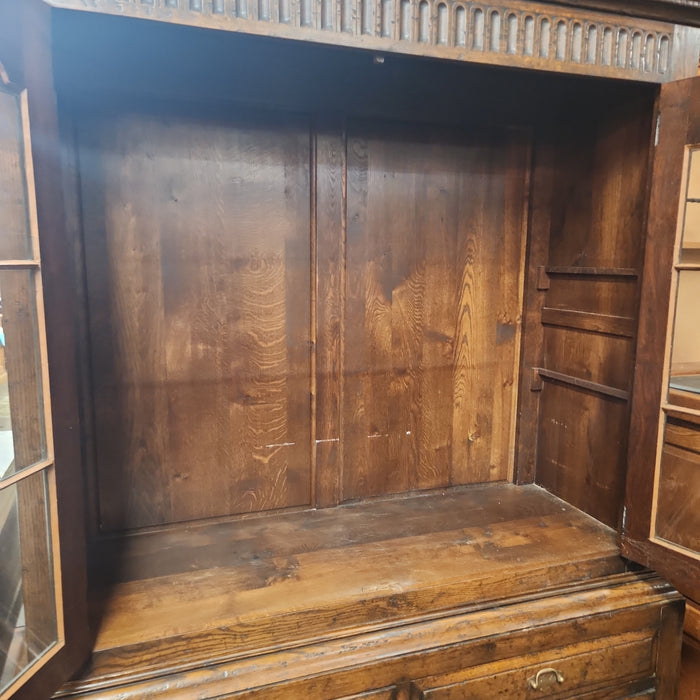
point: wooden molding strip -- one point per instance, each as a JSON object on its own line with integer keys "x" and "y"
{"x": 583, "y": 384}
{"x": 623, "y": 326}
{"x": 19, "y": 264}
{"x": 592, "y": 271}
{"x": 514, "y": 33}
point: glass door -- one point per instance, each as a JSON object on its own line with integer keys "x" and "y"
{"x": 31, "y": 620}
{"x": 675, "y": 521}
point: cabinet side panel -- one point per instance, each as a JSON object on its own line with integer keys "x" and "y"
{"x": 589, "y": 313}
{"x": 434, "y": 260}
{"x": 197, "y": 244}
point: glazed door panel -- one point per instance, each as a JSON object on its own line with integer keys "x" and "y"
{"x": 661, "y": 527}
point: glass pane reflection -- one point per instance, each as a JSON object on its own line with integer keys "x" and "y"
{"x": 678, "y": 498}
{"x": 15, "y": 241}
{"x": 27, "y": 604}
{"x": 22, "y": 430}
{"x": 685, "y": 350}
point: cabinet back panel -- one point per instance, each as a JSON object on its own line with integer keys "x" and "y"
{"x": 198, "y": 283}
{"x": 274, "y": 309}
{"x": 435, "y": 252}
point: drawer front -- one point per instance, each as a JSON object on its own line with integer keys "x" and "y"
{"x": 566, "y": 672}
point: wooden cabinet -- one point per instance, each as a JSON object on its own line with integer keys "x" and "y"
{"x": 365, "y": 328}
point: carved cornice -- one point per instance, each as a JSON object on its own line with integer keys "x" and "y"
{"x": 521, "y": 34}
{"x": 676, "y": 11}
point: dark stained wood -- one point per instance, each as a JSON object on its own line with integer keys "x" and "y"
{"x": 598, "y": 617}
{"x": 581, "y": 667}
{"x": 668, "y": 649}
{"x": 330, "y": 307}
{"x": 679, "y": 107}
{"x": 422, "y": 335}
{"x": 280, "y": 580}
{"x": 536, "y": 283}
{"x": 603, "y": 359}
{"x": 29, "y": 36}
{"x": 674, "y": 106}
{"x": 571, "y": 417}
{"x": 636, "y": 48}
{"x": 678, "y": 499}
{"x": 197, "y": 239}
{"x": 689, "y": 684}
{"x": 587, "y": 321}
{"x": 592, "y": 271}
{"x": 600, "y": 294}
{"x": 351, "y": 298}
{"x": 597, "y": 224}
{"x": 583, "y": 384}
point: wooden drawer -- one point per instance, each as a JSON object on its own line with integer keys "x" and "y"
{"x": 561, "y": 673}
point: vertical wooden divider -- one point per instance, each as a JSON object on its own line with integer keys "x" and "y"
{"x": 531, "y": 348}
{"x": 329, "y": 289}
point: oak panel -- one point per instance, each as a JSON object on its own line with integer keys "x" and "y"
{"x": 603, "y": 359}
{"x": 600, "y": 195}
{"x": 433, "y": 304}
{"x": 198, "y": 279}
{"x": 288, "y": 578}
{"x": 582, "y": 443}
{"x": 678, "y": 504}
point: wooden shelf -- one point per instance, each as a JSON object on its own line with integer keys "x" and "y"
{"x": 235, "y": 589}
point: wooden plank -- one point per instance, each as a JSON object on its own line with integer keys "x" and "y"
{"x": 591, "y": 271}
{"x": 330, "y": 306}
{"x": 584, "y": 320}
{"x": 683, "y": 435}
{"x": 426, "y": 336}
{"x": 201, "y": 376}
{"x": 536, "y": 282}
{"x": 282, "y": 579}
{"x": 611, "y": 296}
{"x": 583, "y": 384}
{"x": 208, "y": 545}
{"x": 584, "y": 470}
{"x": 333, "y": 668}
{"x": 601, "y": 359}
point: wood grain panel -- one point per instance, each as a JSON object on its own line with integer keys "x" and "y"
{"x": 587, "y": 321}
{"x": 597, "y": 225}
{"x": 603, "y": 359}
{"x": 330, "y": 287}
{"x": 288, "y": 578}
{"x": 582, "y": 445}
{"x": 197, "y": 246}
{"x": 594, "y": 293}
{"x": 600, "y": 194}
{"x": 434, "y": 261}
{"x": 678, "y": 500}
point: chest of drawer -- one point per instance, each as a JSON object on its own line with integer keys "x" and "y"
{"x": 625, "y": 661}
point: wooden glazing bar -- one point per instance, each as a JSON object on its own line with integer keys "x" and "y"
{"x": 20, "y": 265}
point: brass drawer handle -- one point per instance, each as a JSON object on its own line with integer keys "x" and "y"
{"x": 535, "y": 680}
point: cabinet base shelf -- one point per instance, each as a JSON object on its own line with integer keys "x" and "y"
{"x": 283, "y": 594}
